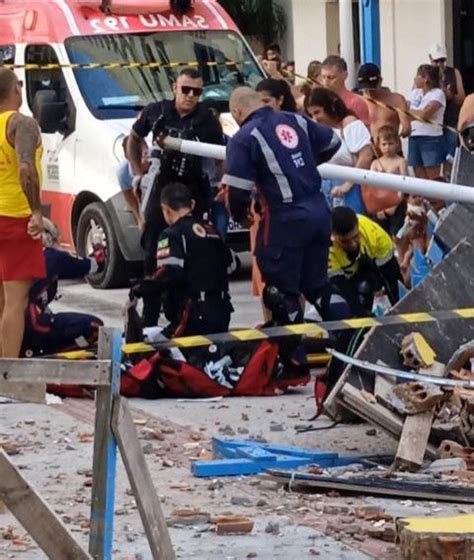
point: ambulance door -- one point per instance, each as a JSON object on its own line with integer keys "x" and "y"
{"x": 50, "y": 103}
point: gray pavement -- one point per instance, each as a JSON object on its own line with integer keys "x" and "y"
{"x": 108, "y": 304}
{"x": 55, "y": 454}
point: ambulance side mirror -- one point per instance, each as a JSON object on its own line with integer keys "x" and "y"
{"x": 50, "y": 113}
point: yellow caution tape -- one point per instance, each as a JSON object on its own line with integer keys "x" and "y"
{"x": 313, "y": 330}
{"x": 386, "y": 106}
{"x": 122, "y": 65}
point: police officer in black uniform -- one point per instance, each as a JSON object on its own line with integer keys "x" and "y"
{"x": 186, "y": 118}
{"x": 192, "y": 264}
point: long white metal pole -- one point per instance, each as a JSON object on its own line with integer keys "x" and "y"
{"x": 405, "y": 184}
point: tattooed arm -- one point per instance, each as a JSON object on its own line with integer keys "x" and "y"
{"x": 24, "y": 134}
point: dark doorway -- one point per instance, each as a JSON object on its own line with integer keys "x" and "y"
{"x": 463, "y": 20}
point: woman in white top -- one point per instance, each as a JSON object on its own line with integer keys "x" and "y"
{"x": 426, "y": 146}
{"x": 326, "y": 107}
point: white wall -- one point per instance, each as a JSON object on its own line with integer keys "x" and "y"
{"x": 309, "y": 32}
{"x": 408, "y": 29}
{"x": 287, "y": 42}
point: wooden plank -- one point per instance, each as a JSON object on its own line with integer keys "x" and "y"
{"x": 384, "y": 395}
{"x": 332, "y": 405}
{"x": 376, "y": 414}
{"x": 371, "y": 412}
{"x": 26, "y": 392}
{"x": 59, "y": 372}
{"x": 414, "y": 440}
{"x": 147, "y": 500}
{"x": 237, "y": 467}
{"x": 105, "y": 449}
{"x": 46, "y": 529}
{"x": 416, "y": 430}
{"x": 383, "y": 386}
{"x": 447, "y": 492}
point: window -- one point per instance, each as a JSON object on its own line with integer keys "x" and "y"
{"x": 48, "y": 86}
{"x": 223, "y": 58}
{"x": 37, "y": 80}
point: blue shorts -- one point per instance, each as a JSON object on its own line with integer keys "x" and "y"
{"x": 426, "y": 151}
{"x": 125, "y": 176}
{"x": 450, "y": 141}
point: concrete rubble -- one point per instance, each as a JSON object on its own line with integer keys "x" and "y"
{"x": 236, "y": 517}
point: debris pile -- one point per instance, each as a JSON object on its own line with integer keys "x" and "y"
{"x": 430, "y": 418}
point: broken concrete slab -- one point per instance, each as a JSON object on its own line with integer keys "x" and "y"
{"x": 455, "y": 224}
{"x": 448, "y": 278}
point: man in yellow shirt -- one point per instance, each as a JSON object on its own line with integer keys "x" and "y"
{"x": 21, "y": 225}
{"x": 362, "y": 263}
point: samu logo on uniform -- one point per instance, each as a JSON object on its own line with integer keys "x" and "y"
{"x": 287, "y": 136}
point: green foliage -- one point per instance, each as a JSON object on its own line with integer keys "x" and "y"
{"x": 264, "y": 19}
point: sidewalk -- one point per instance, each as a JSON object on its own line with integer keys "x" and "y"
{"x": 54, "y": 451}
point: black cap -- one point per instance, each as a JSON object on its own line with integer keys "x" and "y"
{"x": 368, "y": 76}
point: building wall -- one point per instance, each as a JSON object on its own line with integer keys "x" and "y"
{"x": 408, "y": 28}
{"x": 310, "y": 31}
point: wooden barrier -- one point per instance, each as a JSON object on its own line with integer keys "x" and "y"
{"x": 113, "y": 424}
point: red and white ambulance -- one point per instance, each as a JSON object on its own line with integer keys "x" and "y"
{"x": 84, "y": 112}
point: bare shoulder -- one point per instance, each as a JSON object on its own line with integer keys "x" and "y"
{"x": 397, "y": 98}
{"x": 27, "y": 124}
{"x": 21, "y": 124}
{"x": 27, "y": 137}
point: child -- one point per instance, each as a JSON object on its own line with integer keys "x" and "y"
{"x": 388, "y": 144}
{"x": 389, "y": 161}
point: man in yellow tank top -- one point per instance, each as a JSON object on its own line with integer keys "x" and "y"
{"x": 21, "y": 225}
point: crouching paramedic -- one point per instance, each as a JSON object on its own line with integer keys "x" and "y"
{"x": 362, "y": 263}
{"x": 47, "y": 332}
{"x": 192, "y": 262}
{"x": 278, "y": 154}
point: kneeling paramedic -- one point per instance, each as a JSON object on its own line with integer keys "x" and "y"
{"x": 47, "y": 332}
{"x": 362, "y": 263}
{"x": 191, "y": 272}
{"x": 277, "y": 153}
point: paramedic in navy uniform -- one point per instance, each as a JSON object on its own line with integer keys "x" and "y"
{"x": 278, "y": 154}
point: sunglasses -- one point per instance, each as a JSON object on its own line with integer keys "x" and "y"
{"x": 196, "y": 91}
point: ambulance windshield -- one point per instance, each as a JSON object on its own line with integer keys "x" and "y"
{"x": 119, "y": 92}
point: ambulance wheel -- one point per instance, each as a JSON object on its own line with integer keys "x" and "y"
{"x": 94, "y": 222}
